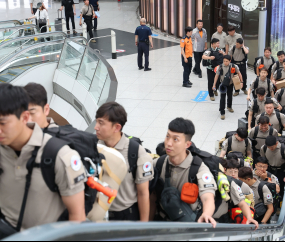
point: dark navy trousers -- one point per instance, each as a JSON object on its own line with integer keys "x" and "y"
{"x": 143, "y": 48}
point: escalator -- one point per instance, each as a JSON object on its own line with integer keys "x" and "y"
{"x": 8, "y": 33}
{"x": 13, "y": 65}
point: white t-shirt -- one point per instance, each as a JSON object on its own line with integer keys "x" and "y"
{"x": 35, "y": 3}
{"x": 43, "y": 15}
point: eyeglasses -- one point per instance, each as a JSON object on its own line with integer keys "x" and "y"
{"x": 262, "y": 167}
{"x": 232, "y": 171}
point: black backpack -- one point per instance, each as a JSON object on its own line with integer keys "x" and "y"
{"x": 245, "y": 56}
{"x": 229, "y": 136}
{"x": 239, "y": 156}
{"x": 279, "y": 74}
{"x": 279, "y": 120}
{"x": 217, "y": 61}
{"x": 84, "y": 143}
{"x": 133, "y": 155}
{"x": 228, "y": 77}
{"x": 256, "y": 130}
{"x": 262, "y": 63}
{"x": 279, "y": 97}
{"x": 256, "y": 86}
{"x": 275, "y": 196}
{"x": 255, "y": 108}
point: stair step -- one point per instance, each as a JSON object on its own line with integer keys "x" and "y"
{"x": 6, "y": 78}
{"x": 15, "y": 71}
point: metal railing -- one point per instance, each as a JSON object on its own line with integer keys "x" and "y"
{"x": 17, "y": 29}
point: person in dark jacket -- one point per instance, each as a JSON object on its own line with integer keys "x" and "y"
{"x": 69, "y": 14}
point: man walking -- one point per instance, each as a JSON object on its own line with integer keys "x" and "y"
{"x": 199, "y": 39}
{"x": 95, "y": 5}
{"x": 187, "y": 54}
{"x": 70, "y": 12}
{"x": 143, "y": 40}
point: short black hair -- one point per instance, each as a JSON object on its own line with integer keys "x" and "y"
{"x": 228, "y": 57}
{"x": 14, "y": 100}
{"x": 215, "y": 40}
{"x": 262, "y": 160}
{"x": 231, "y": 28}
{"x": 233, "y": 164}
{"x": 281, "y": 52}
{"x": 199, "y": 21}
{"x": 160, "y": 149}
{"x": 184, "y": 126}
{"x": 263, "y": 69}
{"x": 220, "y": 24}
{"x": 188, "y": 29}
{"x": 245, "y": 173}
{"x": 223, "y": 162}
{"x": 264, "y": 120}
{"x": 240, "y": 41}
{"x": 114, "y": 112}
{"x": 231, "y": 156}
{"x": 260, "y": 91}
{"x": 37, "y": 94}
{"x": 268, "y": 48}
{"x": 242, "y": 133}
{"x": 269, "y": 101}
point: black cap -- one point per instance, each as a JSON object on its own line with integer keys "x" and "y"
{"x": 271, "y": 140}
{"x": 220, "y": 24}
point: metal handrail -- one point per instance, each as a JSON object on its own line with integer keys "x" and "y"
{"x": 10, "y": 21}
{"x": 14, "y": 51}
{"x": 43, "y": 35}
{"x": 5, "y": 62}
{"x": 98, "y": 38}
{"x": 18, "y": 29}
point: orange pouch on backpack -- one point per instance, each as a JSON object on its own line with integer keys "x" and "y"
{"x": 233, "y": 70}
{"x": 189, "y": 193}
{"x": 261, "y": 66}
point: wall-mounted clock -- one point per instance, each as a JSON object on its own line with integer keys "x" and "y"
{"x": 250, "y": 5}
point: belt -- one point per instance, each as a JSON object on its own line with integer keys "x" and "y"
{"x": 239, "y": 63}
{"x": 126, "y": 211}
{"x": 143, "y": 41}
{"x": 275, "y": 168}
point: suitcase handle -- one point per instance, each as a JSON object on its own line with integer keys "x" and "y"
{"x": 58, "y": 13}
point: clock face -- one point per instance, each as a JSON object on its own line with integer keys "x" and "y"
{"x": 249, "y": 5}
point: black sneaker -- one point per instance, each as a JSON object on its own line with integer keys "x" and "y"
{"x": 200, "y": 76}
{"x": 140, "y": 68}
{"x": 187, "y": 85}
{"x": 195, "y": 72}
{"x": 190, "y": 83}
{"x": 147, "y": 69}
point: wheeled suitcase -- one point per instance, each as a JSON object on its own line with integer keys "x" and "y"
{"x": 58, "y": 22}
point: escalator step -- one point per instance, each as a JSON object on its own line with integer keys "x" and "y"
{"x": 16, "y": 71}
{"x": 6, "y": 78}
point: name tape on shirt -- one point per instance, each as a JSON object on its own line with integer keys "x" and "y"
{"x": 207, "y": 178}
{"x": 147, "y": 167}
{"x": 147, "y": 174}
{"x": 75, "y": 163}
{"x": 209, "y": 185}
{"x": 79, "y": 178}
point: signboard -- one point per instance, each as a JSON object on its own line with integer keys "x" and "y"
{"x": 235, "y": 12}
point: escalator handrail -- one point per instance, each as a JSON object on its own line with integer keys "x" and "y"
{"x": 42, "y": 35}
{"x": 17, "y": 30}
{"x": 19, "y": 27}
{"x": 11, "y": 21}
{"x": 4, "y": 64}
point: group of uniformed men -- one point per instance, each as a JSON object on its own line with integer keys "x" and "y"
{"x": 144, "y": 189}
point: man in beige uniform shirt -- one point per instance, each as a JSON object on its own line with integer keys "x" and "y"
{"x": 132, "y": 202}
{"x": 275, "y": 121}
{"x": 238, "y": 192}
{"x": 19, "y": 141}
{"x": 231, "y": 39}
{"x": 38, "y": 106}
{"x": 177, "y": 140}
{"x": 278, "y": 64}
{"x": 220, "y": 35}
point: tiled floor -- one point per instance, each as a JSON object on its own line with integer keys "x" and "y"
{"x": 152, "y": 99}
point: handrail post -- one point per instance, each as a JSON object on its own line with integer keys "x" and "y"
{"x": 84, "y": 28}
{"x": 81, "y": 63}
{"x": 113, "y": 43}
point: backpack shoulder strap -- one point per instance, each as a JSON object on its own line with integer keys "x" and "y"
{"x": 133, "y": 154}
{"x": 256, "y": 84}
{"x": 279, "y": 120}
{"x": 268, "y": 86}
{"x": 195, "y": 166}
{"x": 159, "y": 164}
{"x": 277, "y": 65}
{"x": 280, "y": 94}
{"x": 230, "y": 141}
{"x": 260, "y": 189}
{"x": 31, "y": 164}
{"x": 282, "y": 151}
{"x": 256, "y": 130}
{"x": 273, "y": 60}
{"x": 262, "y": 60}
{"x": 271, "y": 129}
{"x": 246, "y": 145}
{"x": 221, "y": 70}
{"x": 241, "y": 163}
{"x": 49, "y": 155}
{"x": 265, "y": 149}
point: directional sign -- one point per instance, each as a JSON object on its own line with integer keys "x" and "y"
{"x": 201, "y": 97}
{"x": 154, "y": 35}
{"x": 121, "y": 51}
